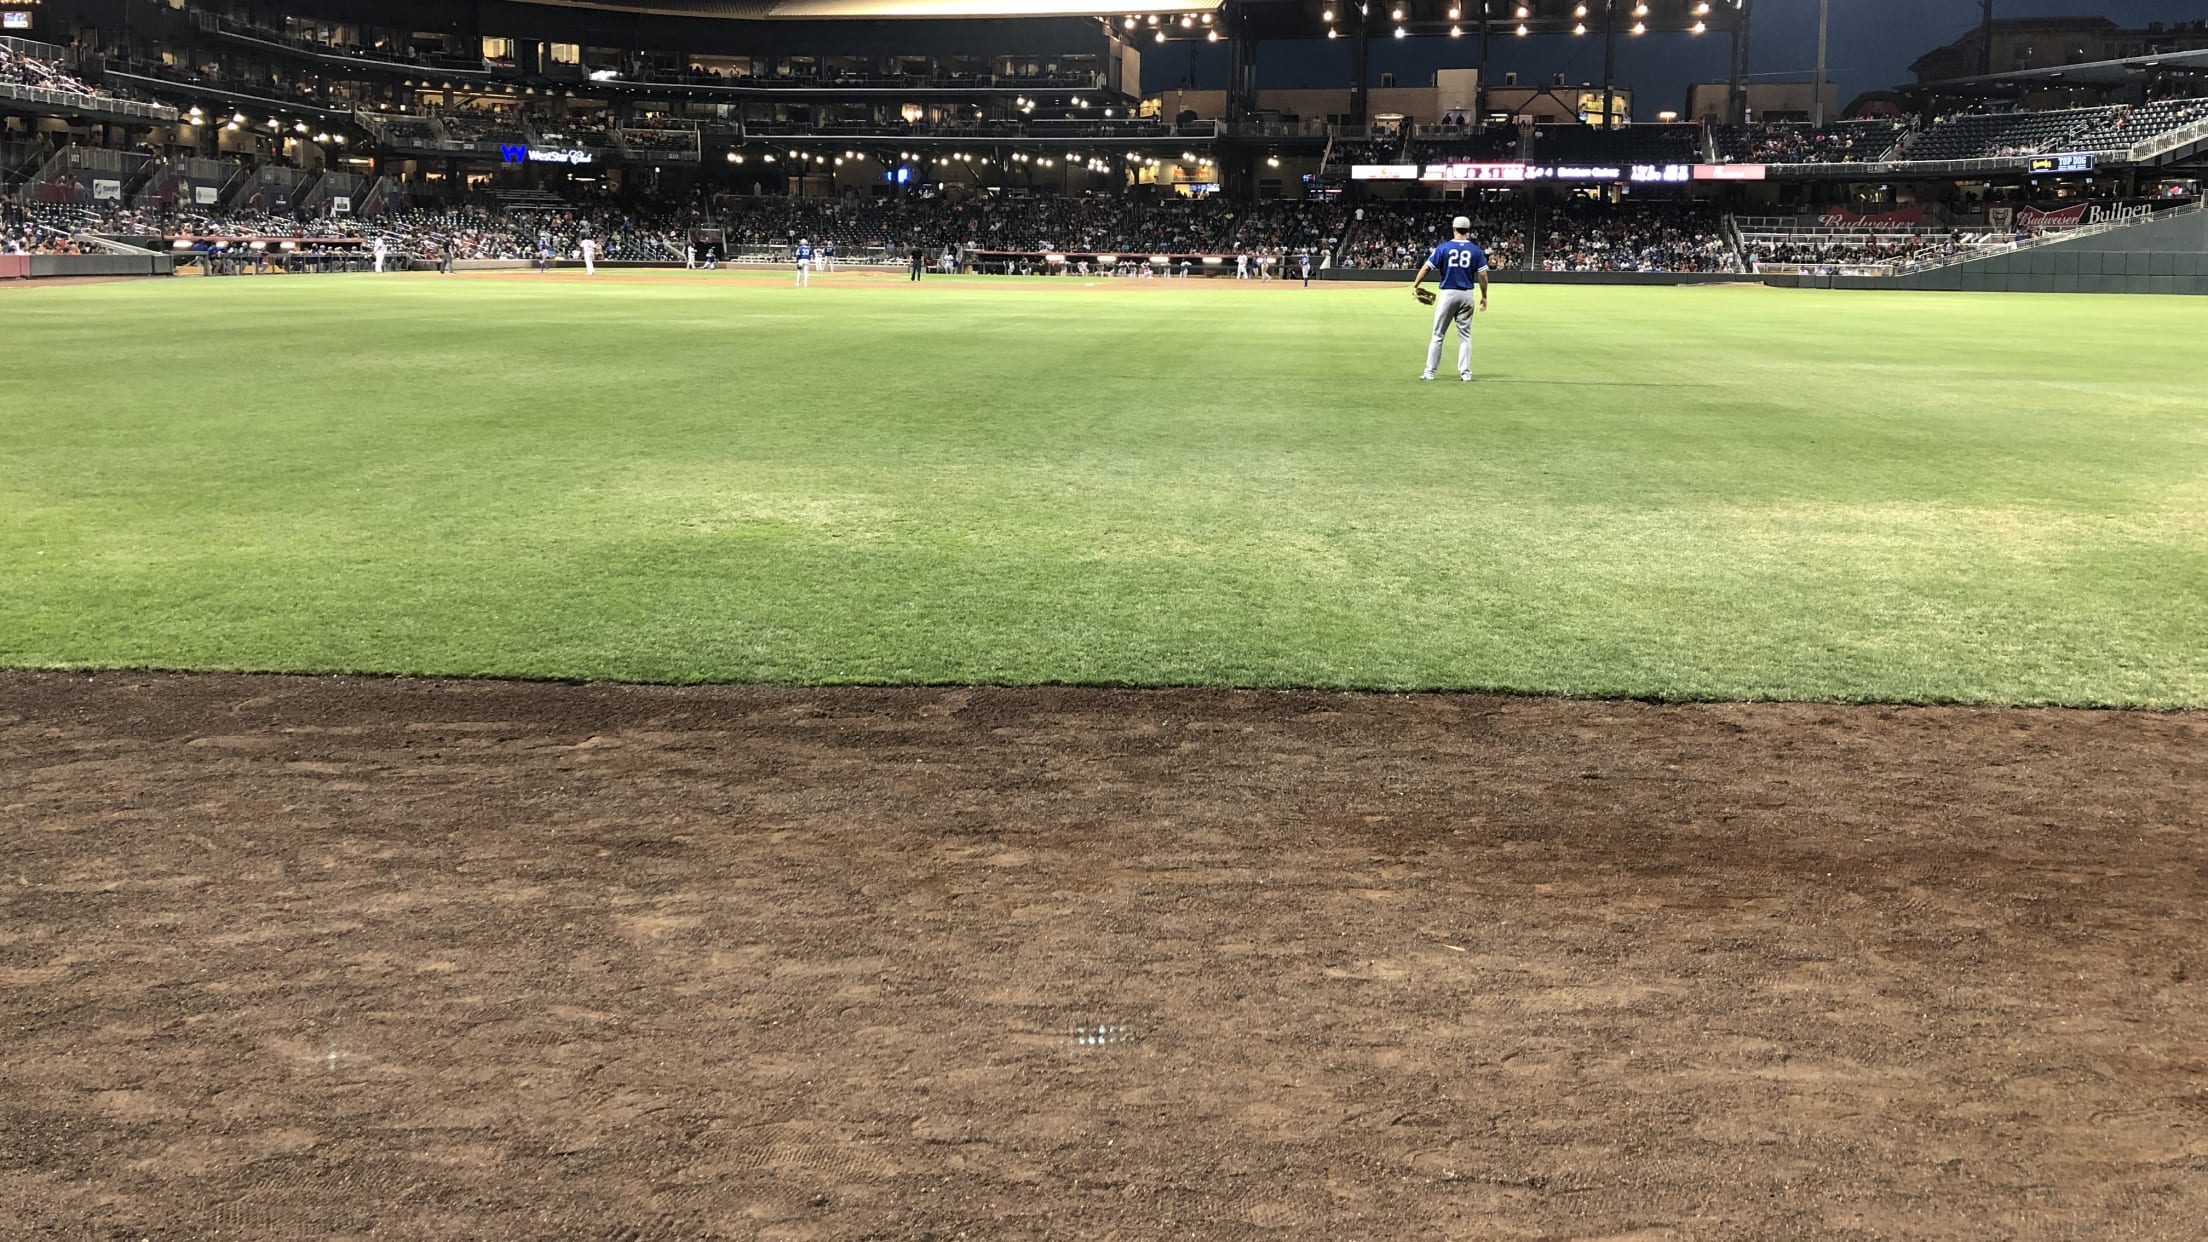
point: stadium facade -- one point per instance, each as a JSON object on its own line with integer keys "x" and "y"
{"x": 1019, "y": 136}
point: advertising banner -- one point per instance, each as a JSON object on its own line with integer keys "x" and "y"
{"x": 107, "y": 191}
{"x": 1475, "y": 172}
{"x": 2067, "y": 218}
{"x": 1899, "y": 217}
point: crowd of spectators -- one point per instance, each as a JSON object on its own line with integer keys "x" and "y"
{"x": 1793, "y": 142}
{"x": 1577, "y": 237}
{"x": 1585, "y": 236}
{"x": 471, "y": 125}
{"x": 17, "y": 69}
{"x": 21, "y": 232}
{"x": 1401, "y": 235}
{"x": 1090, "y": 225}
{"x": 1870, "y": 251}
{"x": 1368, "y": 151}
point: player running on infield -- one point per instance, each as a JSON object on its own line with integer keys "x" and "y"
{"x": 1461, "y": 264}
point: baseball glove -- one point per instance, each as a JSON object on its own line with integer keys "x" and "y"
{"x": 1426, "y": 296}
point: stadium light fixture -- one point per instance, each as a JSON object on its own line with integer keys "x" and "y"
{"x": 1455, "y": 12}
{"x": 1161, "y": 36}
{"x": 1130, "y": 21}
{"x": 1327, "y": 16}
{"x": 1640, "y": 10}
{"x": 1521, "y": 12}
{"x": 1640, "y": 28}
{"x": 1580, "y": 11}
{"x": 1580, "y": 29}
{"x": 1399, "y": 32}
{"x": 1332, "y": 33}
{"x": 1698, "y": 28}
{"x": 1396, "y": 13}
{"x": 1272, "y": 161}
{"x": 1207, "y": 19}
{"x": 1211, "y": 36}
{"x": 1187, "y": 21}
{"x": 1153, "y": 19}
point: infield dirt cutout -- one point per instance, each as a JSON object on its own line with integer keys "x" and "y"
{"x": 293, "y": 957}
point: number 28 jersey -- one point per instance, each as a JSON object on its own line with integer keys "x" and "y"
{"x": 1457, "y": 261}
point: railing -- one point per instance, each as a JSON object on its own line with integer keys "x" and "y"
{"x": 180, "y": 182}
{"x": 333, "y": 185}
{"x": 651, "y": 144}
{"x": 1000, "y": 131}
{"x": 385, "y": 197}
{"x": 106, "y": 173}
{"x": 79, "y": 101}
{"x": 2167, "y": 141}
{"x": 35, "y": 50}
{"x": 2051, "y": 238}
{"x": 268, "y": 182}
{"x": 215, "y": 23}
{"x": 1280, "y": 129}
{"x": 954, "y": 84}
{"x": 145, "y": 79}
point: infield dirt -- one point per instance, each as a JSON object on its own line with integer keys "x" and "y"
{"x": 291, "y": 957}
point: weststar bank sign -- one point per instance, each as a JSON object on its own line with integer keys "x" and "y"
{"x": 543, "y": 155}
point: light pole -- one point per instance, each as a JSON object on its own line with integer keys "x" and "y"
{"x": 1824, "y": 24}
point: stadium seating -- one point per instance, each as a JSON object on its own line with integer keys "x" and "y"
{"x": 18, "y": 69}
{"x": 1433, "y": 144}
{"x": 1988, "y": 135}
{"x": 2131, "y": 126}
{"x": 1849, "y": 142}
{"x": 484, "y": 127}
{"x": 1401, "y": 235}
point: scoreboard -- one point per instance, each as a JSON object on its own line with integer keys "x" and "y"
{"x": 2078, "y": 163}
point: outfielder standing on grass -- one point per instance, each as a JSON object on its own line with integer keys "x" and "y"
{"x": 1461, "y": 263}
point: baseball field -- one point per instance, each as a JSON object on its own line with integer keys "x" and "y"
{"x": 673, "y": 755}
{"x": 1675, "y": 494}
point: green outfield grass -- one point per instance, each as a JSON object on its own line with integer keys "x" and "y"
{"x": 1696, "y": 493}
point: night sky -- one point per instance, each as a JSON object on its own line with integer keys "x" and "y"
{"x": 1873, "y": 42}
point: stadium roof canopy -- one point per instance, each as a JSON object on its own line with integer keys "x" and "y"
{"x": 2098, "y": 73}
{"x": 819, "y": 10}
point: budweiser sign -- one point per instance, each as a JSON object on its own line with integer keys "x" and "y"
{"x": 1856, "y": 219}
{"x": 2034, "y": 218}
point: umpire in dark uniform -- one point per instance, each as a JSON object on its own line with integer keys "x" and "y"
{"x": 919, "y": 262}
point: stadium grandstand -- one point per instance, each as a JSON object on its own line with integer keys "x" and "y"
{"x": 1024, "y": 141}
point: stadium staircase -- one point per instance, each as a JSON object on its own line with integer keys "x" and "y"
{"x": 186, "y": 173}
{"x": 84, "y": 175}
{"x": 387, "y": 196}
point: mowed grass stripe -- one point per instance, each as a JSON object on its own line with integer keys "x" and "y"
{"x": 1697, "y": 493}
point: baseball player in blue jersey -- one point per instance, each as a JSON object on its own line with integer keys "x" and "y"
{"x": 804, "y": 261}
{"x": 1461, "y": 264}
